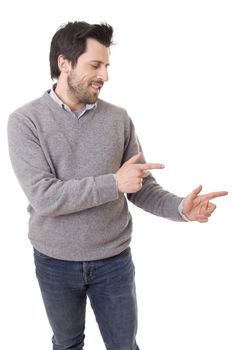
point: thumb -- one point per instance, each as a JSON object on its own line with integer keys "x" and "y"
{"x": 195, "y": 192}
{"x": 134, "y": 159}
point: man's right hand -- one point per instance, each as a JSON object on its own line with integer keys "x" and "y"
{"x": 129, "y": 176}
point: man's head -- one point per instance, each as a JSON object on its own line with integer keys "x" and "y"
{"x": 71, "y": 39}
{"x": 79, "y": 57}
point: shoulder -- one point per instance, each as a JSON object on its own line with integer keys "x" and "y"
{"x": 111, "y": 109}
{"x": 25, "y": 116}
{"x": 29, "y": 107}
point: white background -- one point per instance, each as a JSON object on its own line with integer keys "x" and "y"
{"x": 172, "y": 69}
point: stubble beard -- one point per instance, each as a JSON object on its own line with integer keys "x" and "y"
{"x": 79, "y": 93}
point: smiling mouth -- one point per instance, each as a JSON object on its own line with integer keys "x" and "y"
{"x": 96, "y": 86}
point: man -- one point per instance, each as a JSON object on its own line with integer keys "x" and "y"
{"x": 77, "y": 158}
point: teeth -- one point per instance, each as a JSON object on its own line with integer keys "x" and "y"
{"x": 96, "y": 86}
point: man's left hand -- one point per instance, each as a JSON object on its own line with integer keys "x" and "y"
{"x": 198, "y": 207}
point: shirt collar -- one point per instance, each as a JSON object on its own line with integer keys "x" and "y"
{"x": 79, "y": 112}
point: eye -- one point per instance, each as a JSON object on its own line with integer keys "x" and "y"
{"x": 95, "y": 66}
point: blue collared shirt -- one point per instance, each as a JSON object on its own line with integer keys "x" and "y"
{"x": 77, "y": 113}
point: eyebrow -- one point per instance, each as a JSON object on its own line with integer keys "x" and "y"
{"x": 99, "y": 62}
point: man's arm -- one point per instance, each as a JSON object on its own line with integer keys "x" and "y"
{"x": 147, "y": 194}
{"x": 48, "y": 195}
{"x": 142, "y": 189}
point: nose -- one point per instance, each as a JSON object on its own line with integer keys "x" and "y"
{"x": 103, "y": 73}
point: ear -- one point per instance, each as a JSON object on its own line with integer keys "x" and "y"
{"x": 63, "y": 64}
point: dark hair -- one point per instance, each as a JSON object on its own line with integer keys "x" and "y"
{"x": 70, "y": 41}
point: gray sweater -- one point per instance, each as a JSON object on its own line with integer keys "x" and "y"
{"x": 66, "y": 168}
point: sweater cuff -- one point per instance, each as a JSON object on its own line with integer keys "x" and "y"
{"x": 107, "y": 188}
{"x": 180, "y": 208}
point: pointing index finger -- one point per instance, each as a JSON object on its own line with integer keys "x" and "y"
{"x": 213, "y": 195}
{"x": 150, "y": 166}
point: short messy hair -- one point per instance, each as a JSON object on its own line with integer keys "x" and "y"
{"x": 70, "y": 41}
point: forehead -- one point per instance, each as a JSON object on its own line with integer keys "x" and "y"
{"x": 95, "y": 51}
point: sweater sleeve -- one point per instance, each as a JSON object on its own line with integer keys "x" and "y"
{"x": 48, "y": 195}
{"x": 152, "y": 197}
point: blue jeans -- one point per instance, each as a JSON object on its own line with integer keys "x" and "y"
{"x": 109, "y": 285}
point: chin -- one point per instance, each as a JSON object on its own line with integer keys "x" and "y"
{"x": 93, "y": 99}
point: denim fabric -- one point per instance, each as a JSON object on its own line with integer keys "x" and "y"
{"x": 110, "y": 286}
